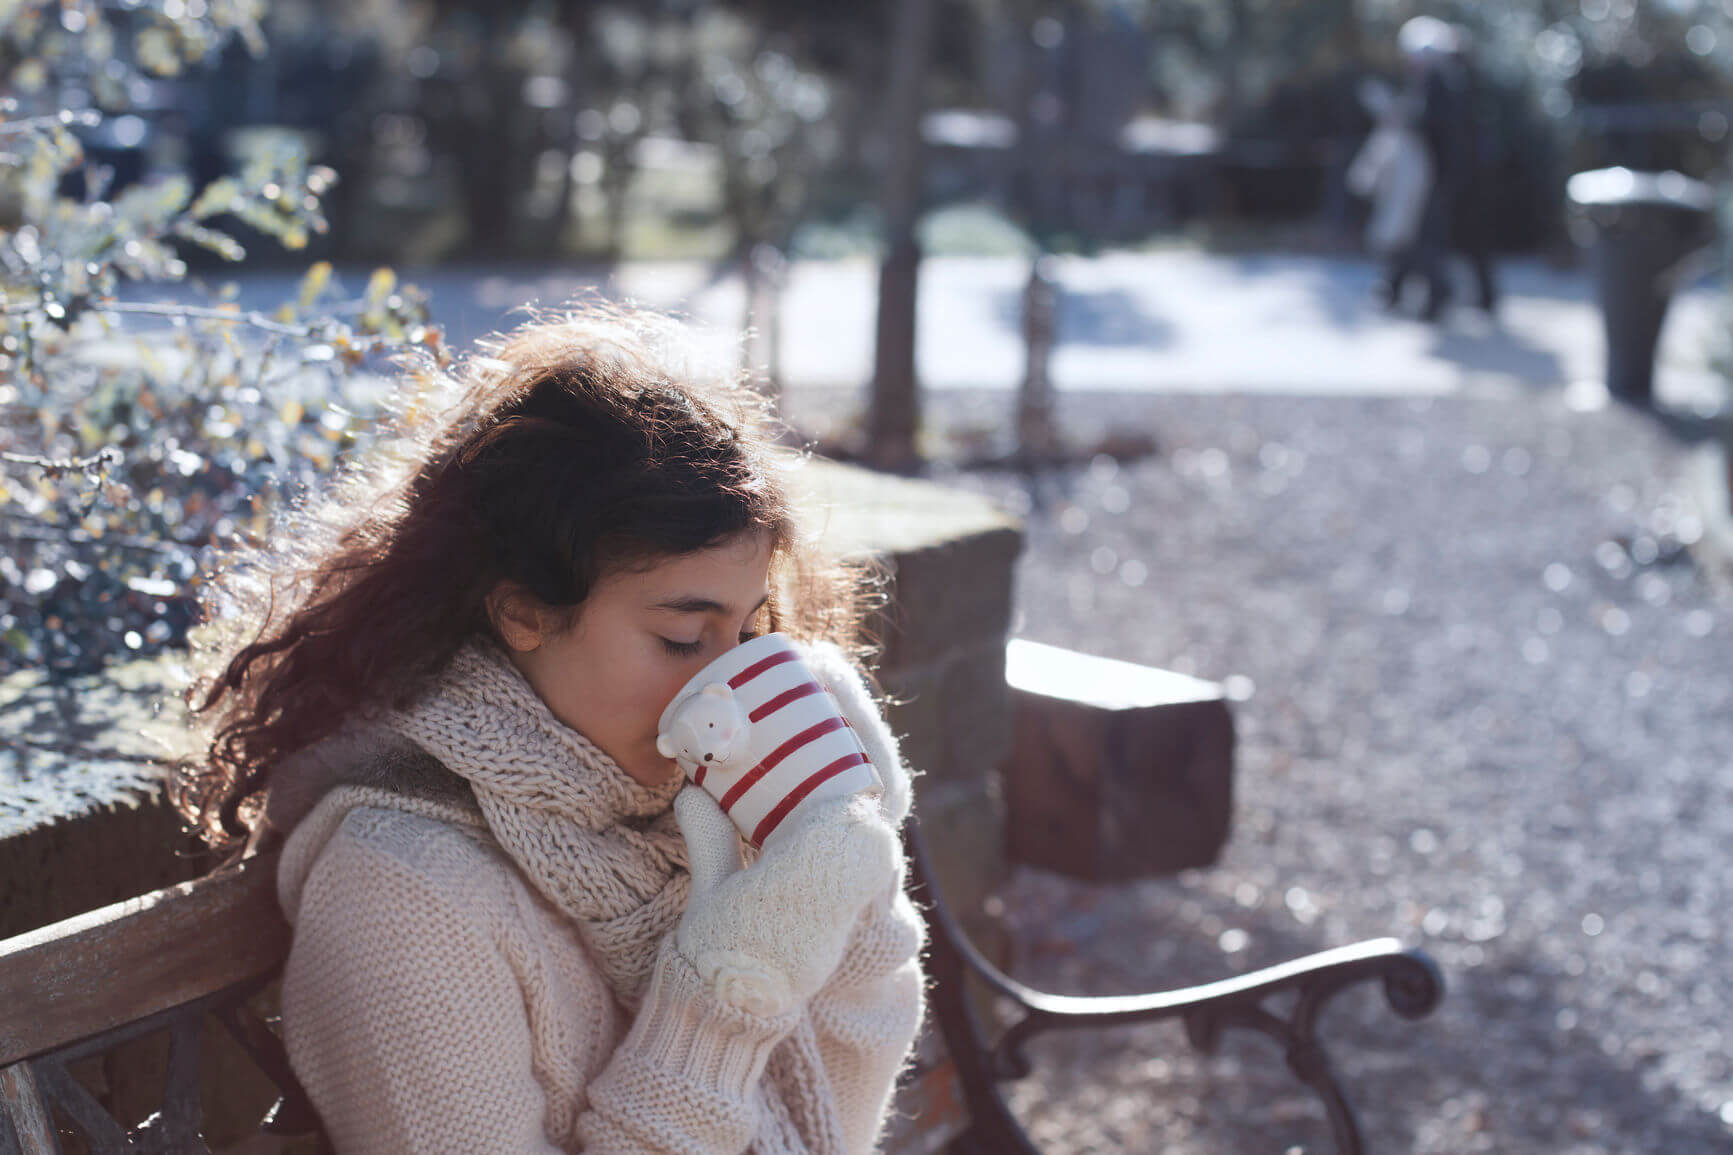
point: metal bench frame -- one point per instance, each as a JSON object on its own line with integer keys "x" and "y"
{"x": 1412, "y": 983}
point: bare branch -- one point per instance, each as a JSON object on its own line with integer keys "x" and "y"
{"x": 186, "y": 312}
{"x": 18, "y": 529}
{"x": 107, "y": 455}
{"x": 84, "y": 118}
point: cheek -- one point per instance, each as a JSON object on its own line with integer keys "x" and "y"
{"x": 655, "y": 694}
{"x": 612, "y": 695}
{"x": 656, "y": 682}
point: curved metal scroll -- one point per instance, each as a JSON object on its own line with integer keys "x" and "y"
{"x": 1413, "y": 986}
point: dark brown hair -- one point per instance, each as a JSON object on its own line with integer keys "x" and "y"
{"x": 578, "y": 445}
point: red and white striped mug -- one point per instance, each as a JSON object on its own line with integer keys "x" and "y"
{"x": 759, "y": 733}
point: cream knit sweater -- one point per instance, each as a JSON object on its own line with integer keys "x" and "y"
{"x": 433, "y": 1001}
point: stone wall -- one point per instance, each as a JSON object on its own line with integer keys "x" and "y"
{"x": 82, "y": 819}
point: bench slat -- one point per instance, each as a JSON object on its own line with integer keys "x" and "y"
{"x": 96, "y": 971}
{"x": 23, "y": 1104}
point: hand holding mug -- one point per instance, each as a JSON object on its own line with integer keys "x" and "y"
{"x": 765, "y": 938}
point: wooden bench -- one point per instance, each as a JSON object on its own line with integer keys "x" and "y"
{"x": 170, "y": 962}
{"x": 160, "y": 964}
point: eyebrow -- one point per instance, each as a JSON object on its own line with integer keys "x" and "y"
{"x": 693, "y": 604}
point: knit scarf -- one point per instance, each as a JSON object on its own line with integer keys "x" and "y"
{"x": 592, "y": 840}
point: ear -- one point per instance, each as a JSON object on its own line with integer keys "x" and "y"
{"x": 719, "y": 690}
{"x": 667, "y": 747}
{"x": 516, "y": 615}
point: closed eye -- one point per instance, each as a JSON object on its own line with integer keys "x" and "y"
{"x": 690, "y": 649}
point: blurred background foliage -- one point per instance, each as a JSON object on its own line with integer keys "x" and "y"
{"x": 140, "y": 428}
{"x": 520, "y": 129}
{"x": 149, "y": 144}
{"x": 524, "y": 128}
{"x": 678, "y": 128}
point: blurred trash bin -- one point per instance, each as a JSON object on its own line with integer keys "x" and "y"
{"x": 1643, "y": 230}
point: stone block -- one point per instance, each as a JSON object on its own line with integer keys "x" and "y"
{"x": 110, "y": 852}
{"x": 949, "y": 557}
{"x": 948, "y": 597}
{"x": 1117, "y": 771}
{"x": 963, "y": 824}
{"x": 954, "y": 712}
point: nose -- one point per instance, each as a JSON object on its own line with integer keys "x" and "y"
{"x": 707, "y": 757}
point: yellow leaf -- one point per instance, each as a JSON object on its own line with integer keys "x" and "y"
{"x": 30, "y": 75}
{"x": 380, "y": 284}
{"x": 318, "y": 276}
{"x": 218, "y": 196}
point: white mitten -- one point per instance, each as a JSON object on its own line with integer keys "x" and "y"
{"x": 846, "y": 685}
{"x": 767, "y": 937}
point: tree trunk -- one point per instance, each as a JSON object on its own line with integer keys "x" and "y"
{"x": 763, "y": 269}
{"x": 894, "y": 418}
{"x": 1037, "y": 436}
{"x": 1231, "y": 66}
{"x": 616, "y": 180}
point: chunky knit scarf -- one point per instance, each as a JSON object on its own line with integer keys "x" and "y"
{"x": 599, "y": 845}
{"x": 596, "y": 843}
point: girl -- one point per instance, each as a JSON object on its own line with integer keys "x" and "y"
{"x": 514, "y": 931}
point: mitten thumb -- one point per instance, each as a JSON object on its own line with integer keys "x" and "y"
{"x": 712, "y": 843}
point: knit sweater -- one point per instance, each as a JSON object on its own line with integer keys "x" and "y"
{"x": 434, "y": 1001}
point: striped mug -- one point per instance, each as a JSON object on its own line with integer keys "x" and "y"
{"x": 758, "y": 732}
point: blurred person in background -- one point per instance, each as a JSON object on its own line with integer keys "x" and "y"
{"x": 1436, "y": 105}
{"x": 1473, "y": 222}
{"x": 1393, "y": 169}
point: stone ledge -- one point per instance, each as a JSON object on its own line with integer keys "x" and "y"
{"x": 82, "y": 819}
{"x": 74, "y": 743}
{"x": 1119, "y": 771}
{"x": 949, "y": 556}
{"x": 855, "y": 511}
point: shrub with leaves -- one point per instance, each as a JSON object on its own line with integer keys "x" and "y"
{"x": 143, "y": 421}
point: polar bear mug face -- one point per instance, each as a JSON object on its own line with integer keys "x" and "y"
{"x": 709, "y": 729}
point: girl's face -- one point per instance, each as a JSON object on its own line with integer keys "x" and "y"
{"x": 638, "y": 638}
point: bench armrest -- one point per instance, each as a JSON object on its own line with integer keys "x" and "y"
{"x": 161, "y": 962}
{"x": 1413, "y": 986}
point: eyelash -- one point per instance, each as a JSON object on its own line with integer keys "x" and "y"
{"x": 689, "y": 649}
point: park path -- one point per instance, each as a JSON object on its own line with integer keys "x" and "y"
{"x": 1485, "y": 704}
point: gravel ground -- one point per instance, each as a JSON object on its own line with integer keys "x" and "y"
{"x": 1485, "y": 707}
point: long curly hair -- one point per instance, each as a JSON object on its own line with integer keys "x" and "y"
{"x": 580, "y": 443}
